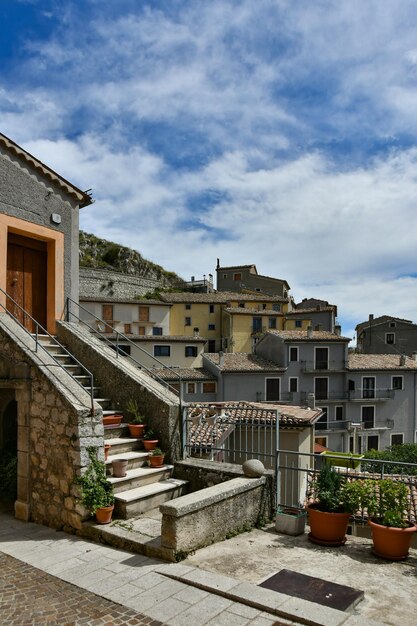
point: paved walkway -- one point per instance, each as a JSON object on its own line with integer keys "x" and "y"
{"x": 71, "y": 581}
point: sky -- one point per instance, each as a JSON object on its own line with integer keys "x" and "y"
{"x": 272, "y": 132}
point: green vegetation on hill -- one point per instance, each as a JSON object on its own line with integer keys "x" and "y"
{"x": 102, "y": 254}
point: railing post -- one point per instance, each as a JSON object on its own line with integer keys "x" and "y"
{"x": 277, "y": 475}
{"x": 36, "y": 337}
{"x": 117, "y": 345}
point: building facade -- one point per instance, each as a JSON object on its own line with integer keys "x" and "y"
{"x": 387, "y": 335}
{"x": 245, "y": 278}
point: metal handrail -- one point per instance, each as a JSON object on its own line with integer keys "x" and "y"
{"x": 120, "y": 350}
{"x": 35, "y": 337}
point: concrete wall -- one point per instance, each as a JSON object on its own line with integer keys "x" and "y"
{"x": 100, "y": 282}
{"x": 372, "y": 340}
{"x": 120, "y": 381}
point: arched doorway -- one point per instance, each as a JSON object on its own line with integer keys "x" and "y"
{"x": 8, "y": 452}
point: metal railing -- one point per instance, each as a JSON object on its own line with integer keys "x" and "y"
{"x": 119, "y": 348}
{"x": 336, "y": 396}
{"x": 371, "y": 394}
{"x": 38, "y": 344}
{"x": 323, "y": 366}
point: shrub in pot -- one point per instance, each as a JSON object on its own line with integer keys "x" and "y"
{"x": 96, "y": 492}
{"x": 387, "y": 502}
{"x": 136, "y": 425}
{"x": 149, "y": 440}
{"x": 329, "y": 514}
{"x": 156, "y": 459}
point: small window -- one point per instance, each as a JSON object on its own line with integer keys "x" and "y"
{"x": 191, "y": 388}
{"x": 368, "y": 416}
{"x": 276, "y": 307}
{"x": 128, "y": 329}
{"x": 294, "y": 385}
{"x": 293, "y": 354}
{"x": 241, "y": 305}
{"x": 338, "y": 412}
{"x": 142, "y": 331}
{"x": 397, "y": 382}
{"x": 120, "y": 349}
{"x": 390, "y": 338}
{"x": 237, "y": 276}
{"x": 373, "y": 442}
{"x": 187, "y": 321}
{"x": 211, "y": 308}
{"x": 263, "y": 307}
{"x": 157, "y": 331}
{"x": 212, "y": 326}
{"x": 397, "y": 439}
{"x": 298, "y": 323}
{"x": 144, "y": 314}
{"x": 188, "y": 307}
{"x": 209, "y": 387}
{"x": 190, "y": 350}
{"x": 392, "y": 324}
{"x": 211, "y": 347}
{"x": 224, "y": 275}
{"x": 162, "y": 351}
{"x": 272, "y": 322}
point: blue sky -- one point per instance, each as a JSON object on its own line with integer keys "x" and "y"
{"x": 272, "y": 132}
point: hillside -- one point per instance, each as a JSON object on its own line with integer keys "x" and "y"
{"x": 99, "y": 253}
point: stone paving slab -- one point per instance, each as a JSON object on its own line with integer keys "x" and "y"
{"x": 31, "y": 596}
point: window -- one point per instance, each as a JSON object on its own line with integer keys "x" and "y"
{"x": 241, "y": 305}
{"x": 211, "y": 308}
{"x": 256, "y": 324}
{"x": 397, "y": 382}
{"x": 157, "y": 331}
{"x": 128, "y": 329}
{"x": 276, "y": 307}
{"x": 191, "y": 388}
{"x": 293, "y": 354}
{"x": 263, "y": 307}
{"x": 237, "y": 276}
{"x": 322, "y": 358}
{"x": 272, "y": 389}
{"x": 209, "y": 387}
{"x": 368, "y": 416}
{"x": 321, "y": 388}
{"x": 321, "y": 423}
{"x": 397, "y": 439}
{"x": 224, "y": 275}
{"x": 190, "y": 350}
{"x": 321, "y": 441}
{"x": 368, "y": 387}
{"x": 211, "y": 345}
{"x": 144, "y": 314}
{"x": 338, "y": 413}
{"x": 188, "y": 307}
{"x": 293, "y": 385}
{"x": 141, "y": 331}
{"x": 162, "y": 350}
{"x": 390, "y": 338}
{"x": 187, "y": 321}
{"x": 298, "y": 323}
{"x": 392, "y": 324}
{"x": 120, "y": 349}
{"x": 212, "y": 326}
{"x": 272, "y": 322}
{"x": 372, "y": 442}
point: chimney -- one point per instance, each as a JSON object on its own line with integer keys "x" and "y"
{"x": 218, "y": 264}
{"x": 192, "y": 279}
{"x": 196, "y": 332}
{"x": 221, "y": 358}
{"x": 371, "y": 317}
{"x": 402, "y": 359}
{"x": 309, "y": 332}
{"x": 337, "y": 330}
{"x": 311, "y": 401}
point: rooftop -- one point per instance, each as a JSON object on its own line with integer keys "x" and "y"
{"x": 106, "y": 299}
{"x": 242, "y": 362}
{"x": 186, "y": 373}
{"x": 220, "y": 297}
{"x": 381, "y": 320}
{"x": 303, "y": 335}
{"x": 381, "y": 362}
{"x": 250, "y": 311}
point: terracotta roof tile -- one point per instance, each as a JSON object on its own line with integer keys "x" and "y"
{"x": 380, "y": 362}
{"x": 243, "y": 362}
{"x": 219, "y": 297}
{"x": 250, "y": 311}
{"x": 186, "y": 373}
{"x": 301, "y": 335}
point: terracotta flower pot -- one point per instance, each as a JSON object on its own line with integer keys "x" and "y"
{"x": 136, "y": 430}
{"x": 391, "y": 543}
{"x": 327, "y": 529}
{"x": 103, "y": 515}
{"x": 107, "y": 447}
{"x": 119, "y": 468}
{"x": 112, "y": 420}
{"x": 156, "y": 461}
{"x": 150, "y": 444}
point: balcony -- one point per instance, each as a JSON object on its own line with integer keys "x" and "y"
{"x": 323, "y": 366}
{"x": 324, "y": 396}
{"x": 371, "y": 395}
{"x": 346, "y": 426}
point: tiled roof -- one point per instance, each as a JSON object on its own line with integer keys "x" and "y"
{"x": 236, "y": 267}
{"x": 309, "y": 311}
{"x": 243, "y": 362}
{"x": 186, "y": 373}
{"x": 219, "y": 297}
{"x": 207, "y": 430}
{"x": 83, "y": 198}
{"x": 301, "y": 335}
{"x": 159, "y": 338}
{"x": 105, "y": 299}
{"x": 249, "y": 311}
{"x": 381, "y": 320}
{"x": 380, "y": 362}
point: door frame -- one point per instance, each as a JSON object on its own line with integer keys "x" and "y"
{"x": 55, "y": 301}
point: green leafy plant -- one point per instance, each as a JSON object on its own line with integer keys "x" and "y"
{"x": 402, "y": 453}
{"x": 96, "y": 491}
{"x": 149, "y": 435}
{"x": 133, "y": 409}
{"x": 157, "y": 452}
{"x": 328, "y": 488}
{"x": 387, "y": 502}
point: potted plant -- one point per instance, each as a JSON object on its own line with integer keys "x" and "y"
{"x": 119, "y": 467}
{"x": 96, "y": 492}
{"x": 329, "y": 515}
{"x": 149, "y": 440}
{"x": 156, "y": 459}
{"x": 387, "y": 502}
{"x": 290, "y": 520}
{"x": 112, "y": 421}
{"x": 135, "y": 425}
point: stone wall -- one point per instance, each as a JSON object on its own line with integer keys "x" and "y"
{"x": 55, "y": 428}
{"x": 120, "y": 380}
{"x": 102, "y": 283}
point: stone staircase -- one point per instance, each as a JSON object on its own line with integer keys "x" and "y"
{"x": 143, "y": 488}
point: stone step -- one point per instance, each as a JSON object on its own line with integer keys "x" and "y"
{"x": 136, "y": 459}
{"x": 139, "y": 477}
{"x": 117, "y": 432}
{"x": 142, "y": 499}
{"x": 120, "y": 445}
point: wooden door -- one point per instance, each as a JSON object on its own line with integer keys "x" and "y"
{"x": 107, "y": 312}
{"x": 26, "y": 279}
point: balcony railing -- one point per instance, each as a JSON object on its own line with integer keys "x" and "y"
{"x": 323, "y": 366}
{"x": 371, "y": 394}
{"x": 322, "y": 396}
{"x": 346, "y": 425}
